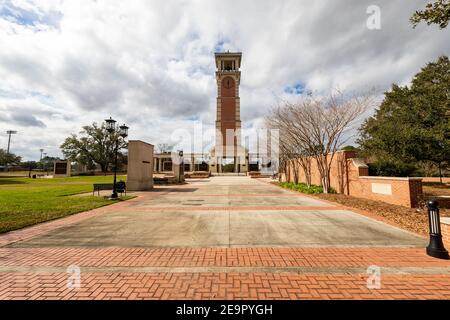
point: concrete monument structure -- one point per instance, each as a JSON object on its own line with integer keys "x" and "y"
{"x": 140, "y": 166}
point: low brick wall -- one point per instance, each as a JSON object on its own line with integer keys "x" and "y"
{"x": 400, "y": 191}
{"x": 436, "y": 179}
{"x": 443, "y": 201}
{"x": 350, "y": 176}
{"x": 445, "y": 229}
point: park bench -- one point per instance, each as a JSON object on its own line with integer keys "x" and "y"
{"x": 120, "y": 187}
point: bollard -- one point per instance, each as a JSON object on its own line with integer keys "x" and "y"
{"x": 436, "y": 247}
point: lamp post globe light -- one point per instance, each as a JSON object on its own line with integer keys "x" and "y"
{"x": 123, "y": 132}
{"x": 110, "y": 125}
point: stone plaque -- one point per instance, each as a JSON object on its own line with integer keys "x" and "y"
{"x": 382, "y": 188}
{"x": 62, "y": 169}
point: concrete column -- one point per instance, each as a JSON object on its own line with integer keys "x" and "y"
{"x": 140, "y": 169}
{"x": 177, "y": 171}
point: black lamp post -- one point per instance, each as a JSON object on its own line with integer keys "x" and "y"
{"x": 123, "y": 132}
{"x": 436, "y": 247}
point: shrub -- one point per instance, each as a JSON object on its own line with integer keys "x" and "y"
{"x": 303, "y": 188}
{"x": 227, "y": 168}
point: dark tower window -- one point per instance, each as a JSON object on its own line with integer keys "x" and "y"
{"x": 228, "y": 65}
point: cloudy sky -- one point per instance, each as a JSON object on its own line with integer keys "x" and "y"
{"x": 149, "y": 63}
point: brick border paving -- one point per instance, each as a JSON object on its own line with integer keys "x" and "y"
{"x": 190, "y": 283}
{"x": 219, "y": 257}
{"x": 221, "y": 286}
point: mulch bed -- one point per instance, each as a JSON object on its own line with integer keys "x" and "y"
{"x": 411, "y": 219}
{"x": 414, "y": 220}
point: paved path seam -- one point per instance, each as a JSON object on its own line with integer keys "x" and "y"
{"x": 300, "y": 270}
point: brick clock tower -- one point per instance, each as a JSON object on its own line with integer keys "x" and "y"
{"x": 228, "y": 154}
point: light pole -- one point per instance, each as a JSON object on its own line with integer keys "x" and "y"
{"x": 44, "y": 164}
{"x": 123, "y": 132}
{"x": 40, "y": 160}
{"x": 9, "y": 133}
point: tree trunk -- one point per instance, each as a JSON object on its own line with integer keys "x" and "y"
{"x": 324, "y": 171}
{"x": 295, "y": 168}
{"x": 285, "y": 171}
{"x": 306, "y": 165}
{"x": 308, "y": 177}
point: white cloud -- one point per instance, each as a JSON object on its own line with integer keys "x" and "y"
{"x": 150, "y": 64}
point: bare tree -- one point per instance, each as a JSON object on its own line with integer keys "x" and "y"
{"x": 164, "y": 148}
{"x": 316, "y": 128}
{"x": 293, "y": 153}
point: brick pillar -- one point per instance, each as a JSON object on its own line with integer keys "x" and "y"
{"x": 416, "y": 192}
{"x": 445, "y": 229}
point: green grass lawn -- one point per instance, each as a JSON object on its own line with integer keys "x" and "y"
{"x": 24, "y": 201}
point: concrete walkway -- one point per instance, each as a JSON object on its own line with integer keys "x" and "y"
{"x": 225, "y": 212}
{"x": 220, "y": 238}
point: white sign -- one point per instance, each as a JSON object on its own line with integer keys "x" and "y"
{"x": 382, "y": 188}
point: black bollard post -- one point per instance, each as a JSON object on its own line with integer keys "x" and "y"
{"x": 436, "y": 247}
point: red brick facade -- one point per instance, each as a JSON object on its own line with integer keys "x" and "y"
{"x": 445, "y": 230}
{"x": 228, "y": 109}
{"x": 350, "y": 176}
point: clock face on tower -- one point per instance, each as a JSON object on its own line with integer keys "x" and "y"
{"x": 228, "y": 83}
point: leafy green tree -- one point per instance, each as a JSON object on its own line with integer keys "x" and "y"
{"x": 350, "y": 148}
{"x": 8, "y": 158}
{"x": 47, "y": 163}
{"x": 389, "y": 168}
{"x": 437, "y": 12}
{"x": 95, "y": 145}
{"x": 413, "y": 123}
{"x": 29, "y": 164}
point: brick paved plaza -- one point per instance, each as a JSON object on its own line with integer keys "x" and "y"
{"x": 219, "y": 238}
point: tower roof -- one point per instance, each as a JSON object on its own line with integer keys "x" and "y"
{"x": 228, "y": 56}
